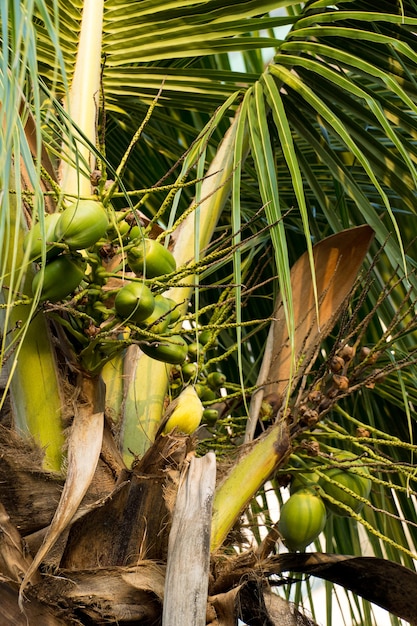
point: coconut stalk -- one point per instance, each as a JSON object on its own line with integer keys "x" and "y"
{"x": 337, "y": 262}
{"x": 245, "y": 478}
{"x": 146, "y": 379}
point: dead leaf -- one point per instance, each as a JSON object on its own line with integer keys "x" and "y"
{"x": 284, "y": 613}
{"x": 253, "y": 604}
{"x": 107, "y": 594}
{"x": 337, "y": 260}
{"x": 35, "y": 612}
{"x": 385, "y": 583}
{"x": 28, "y": 493}
{"x": 188, "y": 561}
{"x": 84, "y": 447}
{"x": 14, "y": 562}
{"x": 133, "y": 521}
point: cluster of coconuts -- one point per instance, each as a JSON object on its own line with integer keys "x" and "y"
{"x": 66, "y": 233}
{"x": 75, "y": 241}
{"x": 303, "y": 516}
{"x": 208, "y": 384}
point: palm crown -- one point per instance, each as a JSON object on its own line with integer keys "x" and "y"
{"x": 239, "y": 174}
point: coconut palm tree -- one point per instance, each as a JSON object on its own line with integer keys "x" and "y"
{"x": 174, "y": 228}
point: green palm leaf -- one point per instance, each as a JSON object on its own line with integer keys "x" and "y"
{"x": 148, "y": 44}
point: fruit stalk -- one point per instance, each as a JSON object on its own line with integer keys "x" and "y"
{"x": 245, "y": 478}
{"x": 149, "y": 381}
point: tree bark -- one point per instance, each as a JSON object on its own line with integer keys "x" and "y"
{"x": 186, "y": 583}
